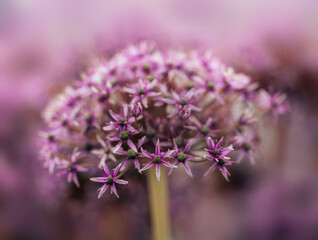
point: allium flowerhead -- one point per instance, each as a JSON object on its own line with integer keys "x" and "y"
{"x": 145, "y": 108}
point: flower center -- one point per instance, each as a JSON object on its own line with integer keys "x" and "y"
{"x": 183, "y": 102}
{"x": 102, "y": 98}
{"x": 123, "y": 135}
{"x": 122, "y": 121}
{"x": 221, "y": 161}
{"x": 64, "y": 122}
{"x": 182, "y": 157}
{"x": 69, "y": 167}
{"x": 246, "y": 146}
{"x": 150, "y": 78}
{"x": 178, "y": 142}
{"x": 146, "y": 68}
{"x": 204, "y": 130}
{"x": 151, "y": 132}
{"x": 131, "y": 154}
{"x": 50, "y": 138}
{"x": 141, "y": 91}
{"x": 88, "y": 147}
{"x": 210, "y": 86}
{"x": 89, "y": 119}
{"x": 157, "y": 159}
{"x": 169, "y": 64}
{"x": 216, "y": 152}
{"x": 109, "y": 180}
{"x": 106, "y": 150}
{"x": 275, "y": 103}
{"x": 190, "y": 86}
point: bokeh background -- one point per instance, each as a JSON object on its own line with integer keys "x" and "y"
{"x": 45, "y": 45}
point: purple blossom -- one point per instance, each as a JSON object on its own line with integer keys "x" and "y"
{"x": 202, "y": 130}
{"x": 123, "y": 137}
{"x": 274, "y": 101}
{"x": 109, "y": 180}
{"x": 153, "y": 131}
{"x": 142, "y": 90}
{"x": 184, "y": 104}
{"x": 237, "y": 82}
{"x": 212, "y": 85}
{"x": 49, "y": 141}
{"x": 120, "y": 122}
{"x": 157, "y": 159}
{"x": 104, "y": 153}
{"x": 72, "y": 167}
{"x": 247, "y": 143}
{"x": 216, "y": 150}
{"x": 136, "y": 110}
{"x": 133, "y": 153}
{"x": 102, "y": 91}
{"x": 51, "y": 160}
{"x": 64, "y": 121}
{"x": 182, "y": 156}
{"x": 219, "y": 156}
{"x": 140, "y": 95}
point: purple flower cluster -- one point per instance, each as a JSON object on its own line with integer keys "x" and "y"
{"x": 144, "y": 108}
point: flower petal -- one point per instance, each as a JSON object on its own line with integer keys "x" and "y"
{"x": 226, "y": 151}
{"x": 176, "y": 163}
{"x": 188, "y": 170}
{"x": 211, "y": 169}
{"x": 166, "y": 164}
{"x": 120, "y": 181}
{"x": 210, "y": 143}
{"x": 188, "y": 146}
{"x": 109, "y": 127}
{"x": 105, "y": 170}
{"x": 114, "y": 190}
{"x": 158, "y": 147}
{"x": 114, "y": 115}
{"x": 209, "y": 122}
{"x": 132, "y": 145}
{"x": 167, "y": 154}
{"x": 225, "y": 173}
{"x": 116, "y": 170}
{"x": 102, "y": 190}
{"x": 147, "y": 166}
{"x": 81, "y": 169}
{"x": 218, "y": 145}
{"x": 118, "y": 146}
{"x": 141, "y": 142}
{"x": 101, "y": 141}
{"x": 98, "y": 179}
{"x": 147, "y": 154}
{"x": 137, "y": 164}
{"x": 75, "y": 180}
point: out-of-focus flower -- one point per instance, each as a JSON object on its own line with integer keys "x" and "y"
{"x": 248, "y": 145}
{"x": 183, "y": 104}
{"x": 141, "y": 91}
{"x": 275, "y": 102}
{"x": 72, "y": 167}
{"x": 104, "y": 153}
{"x": 202, "y": 130}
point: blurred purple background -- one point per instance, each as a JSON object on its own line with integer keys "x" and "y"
{"x": 45, "y": 45}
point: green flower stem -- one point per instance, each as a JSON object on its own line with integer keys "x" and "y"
{"x": 158, "y": 197}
